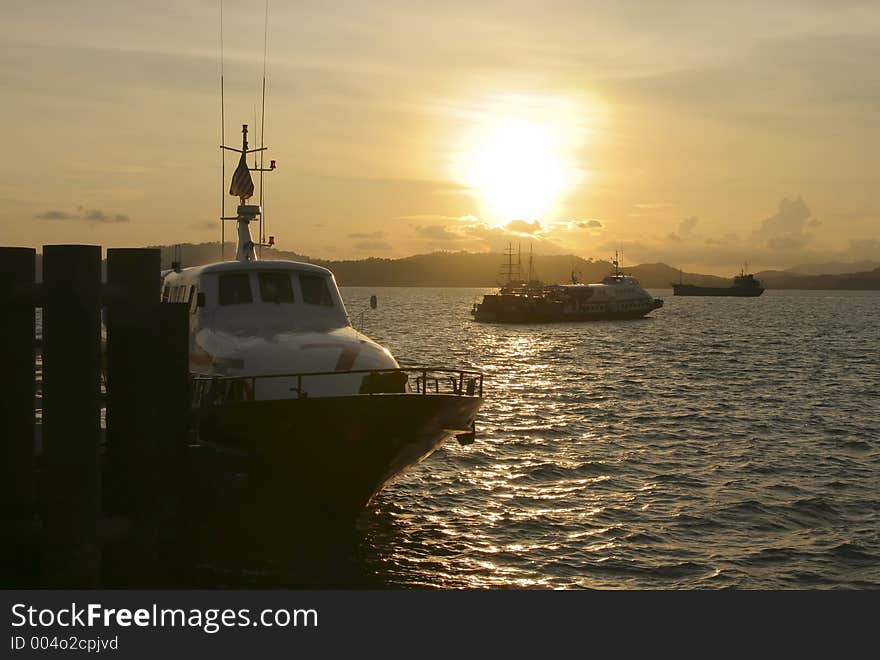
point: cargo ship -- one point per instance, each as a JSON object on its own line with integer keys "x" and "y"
{"x": 744, "y": 285}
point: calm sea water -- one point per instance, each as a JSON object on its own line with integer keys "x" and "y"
{"x": 720, "y": 442}
{"x": 717, "y": 443}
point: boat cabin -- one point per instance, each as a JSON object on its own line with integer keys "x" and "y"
{"x": 292, "y": 296}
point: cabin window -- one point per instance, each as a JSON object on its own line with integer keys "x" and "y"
{"x": 235, "y": 289}
{"x": 314, "y": 290}
{"x": 276, "y": 287}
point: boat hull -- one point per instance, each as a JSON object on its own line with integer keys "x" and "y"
{"x": 529, "y": 311}
{"x": 526, "y": 317}
{"x": 320, "y": 459}
{"x": 739, "y": 292}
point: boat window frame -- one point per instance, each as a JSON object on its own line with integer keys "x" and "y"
{"x": 193, "y": 298}
{"x": 268, "y": 274}
{"x": 234, "y": 276}
{"x": 327, "y": 297}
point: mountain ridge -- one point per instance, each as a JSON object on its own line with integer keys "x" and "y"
{"x": 472, "y": 269}
{"x": 483, "y": 269}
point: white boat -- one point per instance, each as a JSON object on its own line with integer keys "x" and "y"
{"x": 616, "y": 297}
{"x": 291, "y": 399}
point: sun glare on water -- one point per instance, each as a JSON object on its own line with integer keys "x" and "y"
{"x": 519, "y": 158}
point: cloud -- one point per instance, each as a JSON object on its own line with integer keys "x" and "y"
{"x": 370, "y": 236}
{"x": 524, "y": 227}
{"x": 653, "y": 210}
{"x": 97, "y": 215}
{"x": 790, "y": 242}
{"x": 55, "y": 215}
{"x": 204, "y": 225}
{"x": 685, "y": 230}
{"x": 372, "y": 245}
{"x": 89, "y": 215}
{"x": 865, "y": 247}
{"x": 785, "y": 229}
{"x": 627, "y": 249}
{"x": 439, "y": 234}
{"x": 687, "y": 225}
{"x": 472, "y": 233}
{"x": 781, "y": 239}
{"x": 654, "y": 205}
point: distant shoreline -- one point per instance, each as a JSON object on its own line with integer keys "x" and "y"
{"x": 482, "y": 270}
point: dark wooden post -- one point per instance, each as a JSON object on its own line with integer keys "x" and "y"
{"x": 133, "y": 410}
{"x": 174, "y": 402}
{"x": 16, "y": 410}
{"x": 71, "y": 413}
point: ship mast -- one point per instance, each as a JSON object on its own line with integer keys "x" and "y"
{"x": 530, "y": 264}
{"x": 511, "y": 269}
{"x": 242, "y": 186}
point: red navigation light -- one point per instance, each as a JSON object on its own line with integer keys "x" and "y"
{"x": 272, "y": 239}
{"x": 271, "y": 164}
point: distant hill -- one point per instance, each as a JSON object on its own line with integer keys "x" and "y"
{"x": 834, "y": 268}
{"x": 661, "y": 276}
{"x": 484, "y": 269}
{"x": 775, "y": 279}
{"x": 452, "y": 268}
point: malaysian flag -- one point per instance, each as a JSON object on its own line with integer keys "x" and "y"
{"x": 242, "y": 184}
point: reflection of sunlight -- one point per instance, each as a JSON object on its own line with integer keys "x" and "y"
{"x": 521, "y": 346}
{"x": 519, "y": 157}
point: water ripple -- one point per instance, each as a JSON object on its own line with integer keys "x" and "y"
{"x": 721, "y": 443}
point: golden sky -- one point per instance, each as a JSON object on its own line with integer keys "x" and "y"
{"x": 701, "y": 134}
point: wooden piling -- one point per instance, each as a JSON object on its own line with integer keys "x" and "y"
{"x": 134, "y": 411}
{"x": 173, "y": 440}
{"x": 71, "y": 413}
{"x": 17, "y": 331}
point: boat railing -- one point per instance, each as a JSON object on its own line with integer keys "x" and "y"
{"x": 217, "y": 390}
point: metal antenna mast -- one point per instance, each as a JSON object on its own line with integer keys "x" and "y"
{"x": 222, "y": 154}
{"x": 263, "y": 122}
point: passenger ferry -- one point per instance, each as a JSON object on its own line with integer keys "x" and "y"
{"x": 617, "y": 297}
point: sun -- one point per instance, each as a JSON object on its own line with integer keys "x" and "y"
{"x": 520, "y": 161}
{"x": 517, "y": 169}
